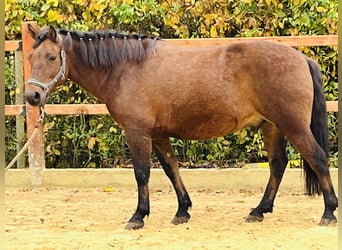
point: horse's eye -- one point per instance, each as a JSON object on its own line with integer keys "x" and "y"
{"x": 52, "y": 58}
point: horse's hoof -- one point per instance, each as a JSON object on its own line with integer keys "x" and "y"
{"x": 327, "y": 222}
{"x": 134, "y": 225}
{"x": 180, "y": 220}
{"x": 253, "y": 218}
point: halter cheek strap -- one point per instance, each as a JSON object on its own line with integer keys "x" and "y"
{"x": 60, "y": 75}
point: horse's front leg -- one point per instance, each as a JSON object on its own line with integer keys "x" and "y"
{"x": 164, "y": 152}
{"x": 140, "y": 146}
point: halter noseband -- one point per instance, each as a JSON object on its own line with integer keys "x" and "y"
{"x": 60, "y": 75}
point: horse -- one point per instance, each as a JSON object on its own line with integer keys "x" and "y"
{"x": 155, "y": 90}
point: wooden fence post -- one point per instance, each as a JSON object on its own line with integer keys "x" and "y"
{"x": 19, "y": 100}
{"x": 36, "y": 152}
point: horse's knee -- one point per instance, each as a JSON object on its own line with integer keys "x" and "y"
{"x": 142, "y": 176}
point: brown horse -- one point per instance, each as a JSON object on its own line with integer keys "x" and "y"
{"x": 155, "y": 90}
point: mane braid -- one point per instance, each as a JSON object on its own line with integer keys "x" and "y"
{"x": 103, "y": 53}
{"x": 92, "y": 57}
{"x": 126, "y": 50}
{"x": 139, "y": 51}
{"x": 114, "y": 55}
{"x": 83, "y": 50}
{"x": 106, "y": 48}
{"x": 67, "y": 42}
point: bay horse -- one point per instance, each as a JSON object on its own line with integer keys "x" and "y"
{"x": 155, "y": 90}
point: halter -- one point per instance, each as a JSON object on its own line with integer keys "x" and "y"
{"x": 60, "y": 75}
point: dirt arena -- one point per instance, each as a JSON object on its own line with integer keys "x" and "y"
{"x": 94, "y": 218}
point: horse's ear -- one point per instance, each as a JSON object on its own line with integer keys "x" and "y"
{"x": 32, "y": 31}
{"x": 52, "y": 34}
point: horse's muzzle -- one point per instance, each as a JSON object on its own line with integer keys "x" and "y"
{"x": 35, "y": 97}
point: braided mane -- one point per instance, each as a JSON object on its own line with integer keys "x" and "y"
{"x": 102, "y": 48}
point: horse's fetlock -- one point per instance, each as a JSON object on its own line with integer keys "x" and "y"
{"x": 188, "y": 203}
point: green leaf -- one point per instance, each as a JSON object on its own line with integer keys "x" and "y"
{"x": 45, "y": 7}
{"x": 281, "y": 14}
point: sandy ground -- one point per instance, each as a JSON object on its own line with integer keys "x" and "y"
{"x": 70, "y": 218}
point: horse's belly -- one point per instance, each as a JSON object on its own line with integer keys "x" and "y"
{"x": 207, "y": 128}
{"x": 202, "y": 130}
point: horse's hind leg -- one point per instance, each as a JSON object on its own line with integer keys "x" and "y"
{"x": 164, "y": 152}
{"x": 306, "y": 144}
{"x": 275, "y": 147}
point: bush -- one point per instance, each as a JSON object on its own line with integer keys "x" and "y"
{"x": 95, "y": 141}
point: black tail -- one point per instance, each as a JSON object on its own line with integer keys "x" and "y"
{"x": 319, "y": 126}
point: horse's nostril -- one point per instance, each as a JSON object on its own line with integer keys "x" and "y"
{"x": 36, "y": 96}
{"x": 33, "y": 98}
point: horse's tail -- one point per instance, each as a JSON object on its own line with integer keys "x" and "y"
{"x": 318, "y": 126}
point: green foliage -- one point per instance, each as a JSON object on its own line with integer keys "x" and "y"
{"x": 10, "y": 135}
{"x": 95, "y": 141}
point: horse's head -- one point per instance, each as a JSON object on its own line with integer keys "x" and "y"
{"x": 48, "y": 65}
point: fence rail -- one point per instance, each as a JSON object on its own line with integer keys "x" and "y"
{"x": 36, "y": 151}
{"x": 95, "y": 109}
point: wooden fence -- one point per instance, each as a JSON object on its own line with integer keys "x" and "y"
{"x": 36, "y": 149}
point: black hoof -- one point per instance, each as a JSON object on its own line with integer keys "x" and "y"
{"x": 326, "y": 222}
{"x": 179, "y": 220}
{"x": 253, "y": 218}
{"x": 134, "y": 225}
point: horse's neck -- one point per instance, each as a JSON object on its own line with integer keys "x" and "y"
{"x": 99, "y": 80}
{"x": 93, "y": 80}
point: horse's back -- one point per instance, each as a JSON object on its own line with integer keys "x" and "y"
{"x": 255, "y": 65}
